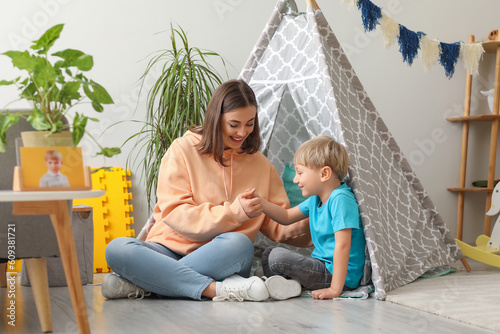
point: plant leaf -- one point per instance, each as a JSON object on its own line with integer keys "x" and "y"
{"x": 109, "y": 151}
{"x": 29, "y": 92}
{"x": 82, "y": 61}
{"x": 78, "y": 130}
{"x": 23, "y": 60}
{"x": 101, "y": 95}
{"x": 69, "y": 92}
{"x": 5, "y": 123}
{"x": 56, "y": 127}
{"x": 44, "y": 43}
{"x": 97, "y": 106}
{"x": 38, "y": 121}
{"x": 7, "y": 83}
{"x": 97, "y": 94}
{"x": 39, "y": 68}
{"x": 45, "y": 74}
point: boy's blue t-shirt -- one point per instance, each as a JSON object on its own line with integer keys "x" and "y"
{"x": 338, "y": 213}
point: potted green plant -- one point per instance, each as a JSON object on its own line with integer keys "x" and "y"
{"x": 53, "y": 85}
{"x": 176, "y": 101}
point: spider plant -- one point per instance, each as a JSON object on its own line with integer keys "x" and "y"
{"x": 176, "y": 101}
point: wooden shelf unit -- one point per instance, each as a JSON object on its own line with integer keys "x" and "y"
{"x": 467, "y": 119}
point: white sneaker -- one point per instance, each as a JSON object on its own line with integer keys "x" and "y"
{"x": 237, "y": 288}
{"x": 115, "y": 286}
{"x": 280, "y": 288}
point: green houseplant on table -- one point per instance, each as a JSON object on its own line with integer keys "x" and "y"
{"x": 176, "y": 101}
{"x": 53, "y": 88}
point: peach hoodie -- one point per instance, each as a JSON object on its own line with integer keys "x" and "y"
{"x": 198, "y": 198}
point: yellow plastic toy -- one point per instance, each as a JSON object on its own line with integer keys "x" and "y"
{"x": 111, "y": 212}
{"x": 487, "y": 249}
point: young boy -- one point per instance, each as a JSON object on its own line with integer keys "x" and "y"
{"x": 53, "y": 178}
{"x": 336, "y": 231}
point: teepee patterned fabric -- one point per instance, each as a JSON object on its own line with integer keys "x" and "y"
{"x": 306, "y": 87}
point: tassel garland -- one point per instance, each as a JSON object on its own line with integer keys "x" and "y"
{"x": 390, "y": 30}
{"x": 449, "y": 57}
{"x": 409, "y": 43}
{"x": 429, "y": 51}
{"x": 471, "y": 54}
{"x": 370, "y": 14}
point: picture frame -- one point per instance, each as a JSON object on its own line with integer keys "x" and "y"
{"x": 54, "y": 168}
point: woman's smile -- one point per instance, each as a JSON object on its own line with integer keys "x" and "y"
{"x": 237, "y": 125}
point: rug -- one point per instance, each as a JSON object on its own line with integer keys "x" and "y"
{"x": 470, "y": 297}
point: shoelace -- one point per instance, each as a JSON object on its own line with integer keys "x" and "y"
{"x": 139, "y": 294}
{"x": 233, "y": 295}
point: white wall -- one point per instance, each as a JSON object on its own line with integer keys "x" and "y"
{"x": 121, "y": 34}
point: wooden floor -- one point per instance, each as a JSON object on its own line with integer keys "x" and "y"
{"x": 162, "y": 315}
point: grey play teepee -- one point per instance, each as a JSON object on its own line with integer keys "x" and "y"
{"x": 306, "y": 87}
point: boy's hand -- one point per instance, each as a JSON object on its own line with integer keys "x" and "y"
{"x": 255, "y": 195}
{"x": 251, "y": 203}
{"x": 328, "y": 293}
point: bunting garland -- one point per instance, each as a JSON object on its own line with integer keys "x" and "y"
{"x": 410, "y": 42}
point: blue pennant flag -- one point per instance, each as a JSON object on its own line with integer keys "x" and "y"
{"x": 370, "y": 14}
{"x": 449, "y": 57}
{"x": 409, "y": 43}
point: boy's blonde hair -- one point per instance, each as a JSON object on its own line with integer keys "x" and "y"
{"x": 53, "y": 155}
{"x": 323, "y": 151}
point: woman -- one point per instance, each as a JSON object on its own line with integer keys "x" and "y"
{"x": 206, "y": 217}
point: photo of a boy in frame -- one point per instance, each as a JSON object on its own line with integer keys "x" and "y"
{"x": 52, "y": 168}
{"x": 53, "y": 178}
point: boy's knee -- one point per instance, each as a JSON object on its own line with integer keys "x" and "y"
{"x": 273, "y": 261}
{"x": 277, "y": 256}
{"x": 268, "y": 251}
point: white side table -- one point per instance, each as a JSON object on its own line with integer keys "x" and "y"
{"x": 54, "y": 203}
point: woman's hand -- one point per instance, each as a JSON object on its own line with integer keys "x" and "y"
{"x": 327, "y": 293}
{"x": 251, "y": 203}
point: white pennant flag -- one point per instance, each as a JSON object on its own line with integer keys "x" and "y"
{"x": 471, "y": 54}
{"x": 429, "y": 51}
{"x": 351, "y": 3}
{"x": 390, "y": 30}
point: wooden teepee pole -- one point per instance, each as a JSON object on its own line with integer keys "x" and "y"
{"x": 312, "y": 3}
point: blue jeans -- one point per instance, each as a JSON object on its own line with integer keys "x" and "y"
{"x": 157, "y": 269}
{"x": 311, "y": 273}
